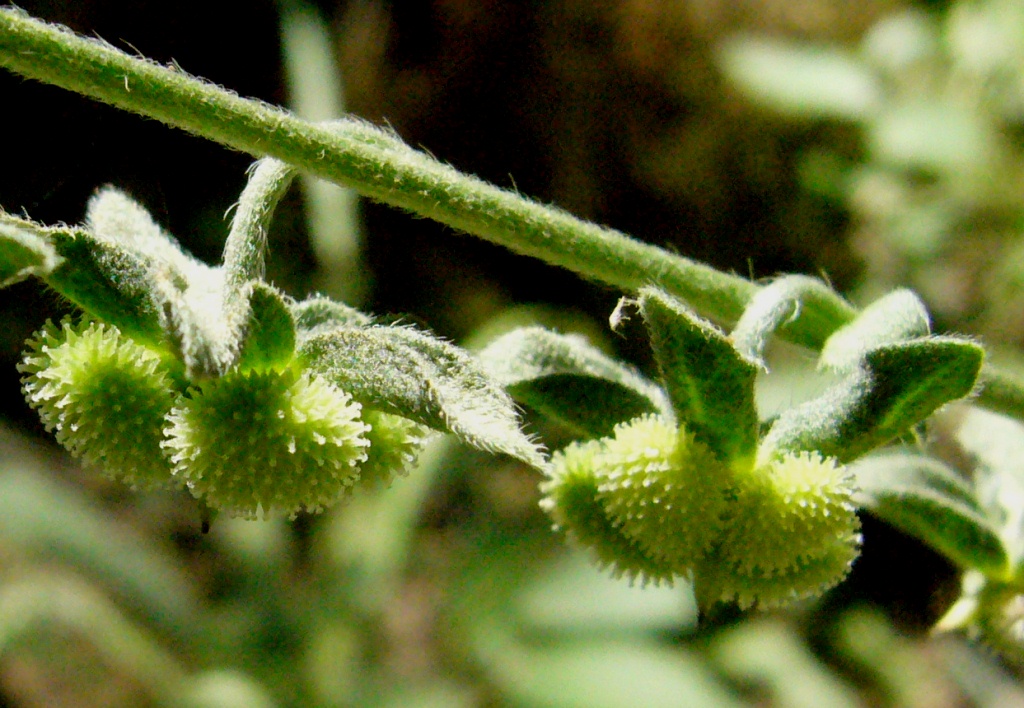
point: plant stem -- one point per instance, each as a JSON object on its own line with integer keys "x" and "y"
{"x": 377, "y": 164}
{"x": 371, "y": 161}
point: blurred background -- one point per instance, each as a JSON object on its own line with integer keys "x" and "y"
{"x": 875, "y": 143}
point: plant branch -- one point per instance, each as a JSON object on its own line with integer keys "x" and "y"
{"x": 355, "y": 154}
{"x": 379, "y": 165}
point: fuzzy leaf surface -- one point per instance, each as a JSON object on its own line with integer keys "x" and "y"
{"x": 896, "y": 387}
{"x": 565, "y": 377}
{"x": 269, "y": 333}
{"x": 710, "y": 384}
{"x": 107, "y": 282}
{"x": 931, "y": 502}
{"x": 319, "y": 315}
{"x": 409, "y": 373}
{"x": 896, "y": 317}
{"x": 782, "y": 302}
{"x": 25, "y": 250}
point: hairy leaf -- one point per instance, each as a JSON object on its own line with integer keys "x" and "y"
{"x": 710, "y": 384}
{"x": 400, "y": 370}
{"x": 25, "y": 250}
{"x": 896, "y": 387}
{"x": 896, "y": 317}
{"x": 269, "y": 333}
{"x": 571, "y": 381}
{"x": 318, "y": 315}
{"x": 107, "y": 282}
{"x": 782, "y": 302}
{"x": 931, "y": 502}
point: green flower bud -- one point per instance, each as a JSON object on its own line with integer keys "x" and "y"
{"x": 104, "y": 395}
{"x": 664, "y": 489}
{"x": 573, "y": 501}
{"x": 792, "y": 533}
{"x": 268, "y": 441}
{"x": 395, "y": 443}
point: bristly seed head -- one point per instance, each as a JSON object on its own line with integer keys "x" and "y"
{"x": 264, "y": 442}
{"x": 104, "y": 395}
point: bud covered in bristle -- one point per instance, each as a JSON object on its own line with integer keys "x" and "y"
{"x": 793, "y": 532}
{"x": 572, "y": 500}
{"x": 266, "y": 442}
{"x": 664, "y": 489}
{"x": 104, "y": 395}
{"x": 395, "y": 443}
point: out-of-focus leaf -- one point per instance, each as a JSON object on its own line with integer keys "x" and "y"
{"x": 711, "y": 385}
{"x": 927, "y": 500}
{"x": 24, "y": 250}
{"x": 575, "y": 597}
{"x": 768, "y": 653}
{"x": 897, "y": 386}
{"x": 933, "y": 136}
{"x": 801, "y": 81}
{"x": 412, "y": 374}
{"x": 50, "y": 600}
{"x": 896, "y": 317}
{"x": 38, "y": 514}
{"x": 567, "y": 379}
{"x": 997, "y": 445}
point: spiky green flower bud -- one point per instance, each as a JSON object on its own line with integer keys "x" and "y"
{"x": 664, "y": 489}
{"x": 572, "y": 499}
{"x": 264, "y": 442}
{"x": 104, "y": 395}
{"x": 395, "y": 443}
{"x": 792, "y": 533}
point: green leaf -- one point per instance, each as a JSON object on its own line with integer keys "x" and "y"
{"x": 318, "y": 315}
{"x": 996, "y": 445}
{"x": 935, "y": 135}
{"x": 269, "y": 334}
{"x": 782, "y": 302}
{"x": 800, "y": 80}
{"x": 931, "y": 502}
{"x": 409, "y": 373}
{"x": 109, "y": 283}
{"x": 25, "y": 250}
{"x": 711, "y": 385}
{"x": 896, "y": 317}
{"x": 569, "y": 380}
{"x": 897, "y": 387}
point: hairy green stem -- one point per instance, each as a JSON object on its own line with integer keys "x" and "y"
{"x": 377, "y": 164}
{"x": 354, "y": 154}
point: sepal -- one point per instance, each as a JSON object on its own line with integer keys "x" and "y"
{"x": 896, "y": 317}
{"x": 896, "y": 387}
{"x": 409, "y": 373}
{"x": 710, "y": 384}
{"x": 25, "y": 250}
{"x": 569, "y": 380}
{"x": 268, "y": 336}
{"x": 781, "y": 303}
